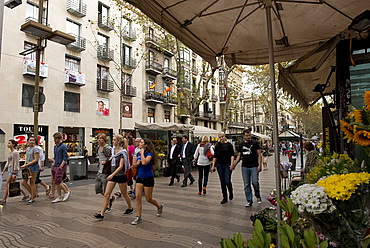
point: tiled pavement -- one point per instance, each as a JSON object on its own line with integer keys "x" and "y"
{"x": 188, "y": 220}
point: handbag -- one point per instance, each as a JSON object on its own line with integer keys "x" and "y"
{"x": 26, "y": 173}
{"x": 14, "y": 189}
{"x": 107, "y": 167}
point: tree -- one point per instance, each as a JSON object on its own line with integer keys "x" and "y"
{"x": 310, "y": 118}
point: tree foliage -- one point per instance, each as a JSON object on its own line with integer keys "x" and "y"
{"x": 310, "y": 118}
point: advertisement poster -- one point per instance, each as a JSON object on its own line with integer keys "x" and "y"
{"x": 102, "y": 106}
{"x": 127, "y": 109}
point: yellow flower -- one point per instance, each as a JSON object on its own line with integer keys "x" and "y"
{"x": 367, "y": 99}
{"x": 358, "y": 116}
{"x": 346, "y": 128}
{"x": 362, "y": 138}
{"x": 272, "y": 245}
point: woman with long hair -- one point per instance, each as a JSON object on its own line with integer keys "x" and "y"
{"x": 145, "y": 161}
{"x": 311, "y": 158}
{"x": 265, "y": 153}
{"x": 32, "y": 161}
{"x": 119, "y": 164}
{"x": 13, "y": 167}
{"x": 200, "y": 157}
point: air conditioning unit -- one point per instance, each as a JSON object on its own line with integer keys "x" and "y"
{"x": 13, "y": 3}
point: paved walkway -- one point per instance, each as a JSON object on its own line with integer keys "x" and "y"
{"x": 188, "y": 220}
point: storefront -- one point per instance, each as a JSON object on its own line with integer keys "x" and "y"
{"x": 95, "y": 132}
{"x": 22, "y": 132}
{"x": 74, "y": 138}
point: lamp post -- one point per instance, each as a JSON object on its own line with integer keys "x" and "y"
{"x": 43, "y": 32}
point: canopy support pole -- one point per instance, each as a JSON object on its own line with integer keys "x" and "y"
{"x": 274, "y": 113}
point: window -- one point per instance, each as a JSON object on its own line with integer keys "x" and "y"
{"x": 186, "y": 78}
{"x": 257, "y": 118}
{"x": 126, "y": 54}
{"x": 103, "y": 40}
{"x": 31, "y": 56}
{"x": 184, "y": 55}
{"x": 126, "y": 79}
{"x": 104, "y": 12}
{"x": 151, "y": 116}
{"x": 151, "y": 57}
{"x": 151, "y": 33}
{"x": 73, "y": 28}
{"x": 194, "y": 64}
{"x": 167, "y": 86}
{"x": 32, "y": 13}
{"x": 72, "y": 63}
{"x": 28, "y": 91}
{"x": 151, "y": 81}
{"x": 221, "y": 76}
{"x": 166, "y": 63}
{"x": 167, "y": 116}
{"x": 71, "y": 102}
{"x": 127, "y": 26}
{"x": 102, "y": 72}
{"x": 248, "y": 108}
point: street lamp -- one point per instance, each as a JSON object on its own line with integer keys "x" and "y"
{"x": 42, "y": 32}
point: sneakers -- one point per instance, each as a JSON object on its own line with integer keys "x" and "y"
{"x": 66, "y": 195}
{"x": 247, "y": 205}
{"x": 137, "y": 220}
{"x": 25, "y": 198}
{"x": 111, "y": 202}
{"x": 30, "y": 202}
{"x": 199, "y": 193}
{"x": 259, "y": 200}
{"x": 204, "y": 190}
{"x": 128, "y": 211}
{"x": 107, "y": 210}
{"x": 57, "y": 200}
{"x": 160, "y": 210}
{"x": 98, "y": 216}
{"x": 223, "y": 201}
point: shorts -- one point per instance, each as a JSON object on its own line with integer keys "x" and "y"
{"x": 10, "y": 173}
{"x": 100, "y": 183}
{"x": 119, "y": 179}
{"x": 38, "y": 178}
{"x": 264, "y": 159}
{"x": 34, "y": 167}
{"x": 57, "y": 174}
{"x": 147, "y": 182}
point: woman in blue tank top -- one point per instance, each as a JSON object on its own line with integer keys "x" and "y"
{"x": 145, "y": 162}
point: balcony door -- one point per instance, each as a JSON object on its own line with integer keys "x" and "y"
{"x": 73, "y": 28}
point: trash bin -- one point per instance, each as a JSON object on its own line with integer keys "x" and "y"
{"x": 78, "y": 168}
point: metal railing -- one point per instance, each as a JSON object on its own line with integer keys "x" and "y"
{"x": 129, "y": 34}
{"x": 129, "y": 90}
{"x": 129, "y": 62}
{"x": 104, "y": 85}
{"x": 162, "y": 42}
{"x": 104, "y": 53}
{"x": 170, "y": 100}
{"x": 35, "y": 19}
{"x": 153, "y": 66}
{"x": 168, "y": 72}
{"x": 79, "y": 45}
{"x": 76, "y": 7}
{"x": 105, "y": 23}
{"x": 151, "y": 95}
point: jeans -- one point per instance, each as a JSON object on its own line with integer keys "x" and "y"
{"x": 224, "y": 173}
{"x": 202, "y": 169}
{"x": 250, "y": 175}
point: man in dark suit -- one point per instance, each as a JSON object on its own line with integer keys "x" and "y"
{"x": 173, "y": 160}
{"x": 187, "y": 156}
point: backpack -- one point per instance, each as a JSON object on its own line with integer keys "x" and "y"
{"x": 209, "y": 154}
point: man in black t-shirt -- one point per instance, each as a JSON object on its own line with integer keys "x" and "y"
{"x": 250, "y": 151}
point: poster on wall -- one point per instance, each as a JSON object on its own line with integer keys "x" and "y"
{"x": 102, "y": 106}
{"x": 127, "y": 109}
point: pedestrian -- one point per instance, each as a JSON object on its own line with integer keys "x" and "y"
{"x": 173, "y": 161}
{"x": 119, "y": 163}
{"x": 284, "y": 148}
{"x": 200, "y": 157}
{"x": 187, "y": 155}
{"x": 32, "y": 159}
{"x": 222, "y": 160}
{"x": 145, "y": 162}
{"x": 86, "y": 155}
{"x": 250, "y": 153}
{"x": 311, "y": 158}
{"x": 131, "y": 151}
{"x": 12, "y": 165}
{"x": 41, "y": 169}
{"x": 104, "y": 152}
{"x": 265, "y": 153}
{"x": 60, "y": 166}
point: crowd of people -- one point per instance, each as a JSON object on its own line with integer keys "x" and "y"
{"x": 131, "y": 163}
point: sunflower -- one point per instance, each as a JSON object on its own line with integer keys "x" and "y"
{"x": 362, "y": 138}
{"x": 358, "y": 116}
{"x": 367, "y": 99}
{"x": 346, "y": 128}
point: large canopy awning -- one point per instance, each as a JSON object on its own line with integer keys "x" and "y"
{"x": 289, "y": 135}
{"x": 261, "y": 136}
{"x": 164, "y": 126}
{"x": 205, "y": 131}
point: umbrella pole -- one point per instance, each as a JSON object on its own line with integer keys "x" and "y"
{"x": 274, "y": 113}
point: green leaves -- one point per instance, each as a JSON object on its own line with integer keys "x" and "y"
{"x": 236, "y": 242}
{"x": 259, "y": 238}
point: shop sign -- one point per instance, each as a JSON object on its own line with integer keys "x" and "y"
{"x": 21, "y": 133}
{"x": 70, "y": 137}
{"x": 127, "y": 109}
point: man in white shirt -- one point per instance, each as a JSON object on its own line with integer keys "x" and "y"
{"x": 41, "y": 166}
{"x": 173, "y": 160}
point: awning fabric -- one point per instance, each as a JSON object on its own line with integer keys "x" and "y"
{"x": 261, "y": 136}
{"x": 289, "y": 135}
{"x": 204, "y": 131}
{"x": 164, "y": 126}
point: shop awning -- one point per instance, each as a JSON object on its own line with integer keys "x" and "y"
{"x": 1, "y": 131}
{"x": 289, "y": 135}
{"x": 261, "y": 136}
{"x": 164, "y": 126}
{"x": 301, "y": 77}
{"x": 204, "y": 131}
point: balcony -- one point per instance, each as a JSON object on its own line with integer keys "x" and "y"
{"x": 170, "y": 101}
{"x": 104, "y": 53}
{"x": 79, "y": 45}
{"x": 74, "y": 78}
{"x": 195, "y": 71}
{"x": 160, "y": 44}
{"x": 214, "y": 98}
{"x": 129, "y": 91}
{"x": 35, "y": 19}
{"x": 105, "y": 23}
{"x": 129, "y": 34}
{"x": 76, "y": 8}
{"x": 151, "y": 96}
{"x": 169, "y": 74}
{"x": 29, "y": 68}
{"x": 104, "y": 85}
{"x": 236, "y": 124}
{"x": 129, "y": 62}
{"x": 153, "y": 67}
